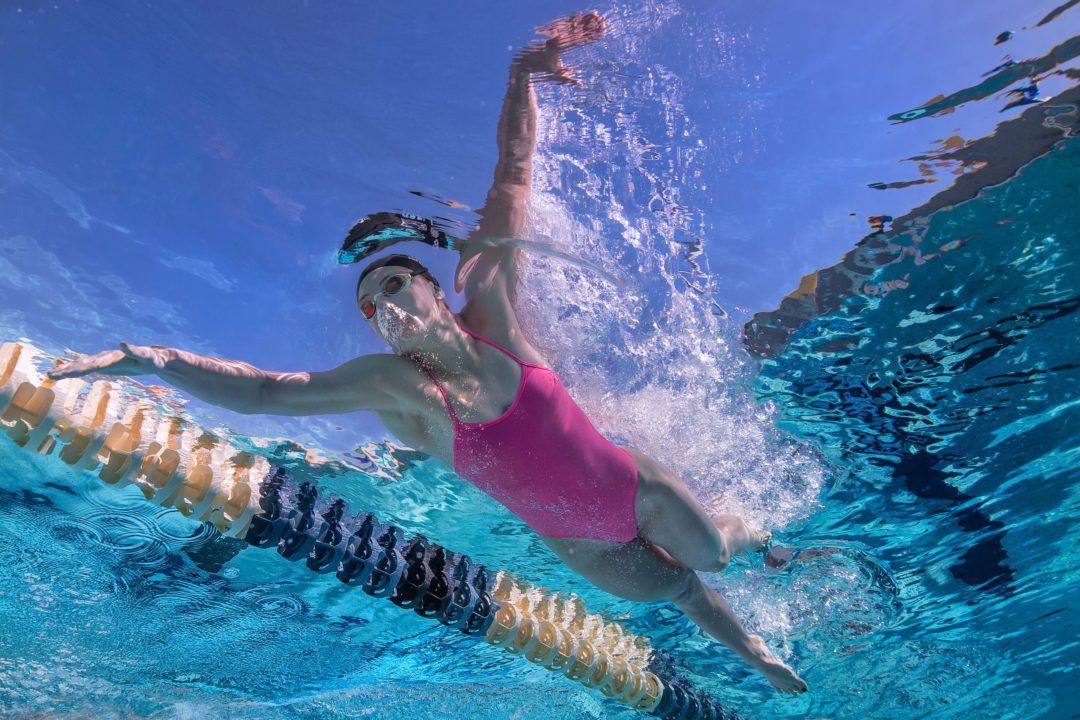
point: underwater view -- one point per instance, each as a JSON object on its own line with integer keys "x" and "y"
{"x": 802, "y": 280}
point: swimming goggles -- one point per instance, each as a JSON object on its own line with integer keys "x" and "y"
{"x": 391, "y": 285}
{"x": 373, "y": 232}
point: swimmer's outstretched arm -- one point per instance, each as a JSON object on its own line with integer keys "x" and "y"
{"x": 360, "y": 384}
{"x": 486, "y": 267}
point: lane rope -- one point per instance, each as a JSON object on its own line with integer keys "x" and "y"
{"x": 105, "y": 428}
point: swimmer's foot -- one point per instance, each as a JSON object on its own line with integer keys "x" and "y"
{"x": 782, "y": 677}
{"x": 762, "y": 540}
{"x": 780, "y": 557}
{"x": 741, "y": 536}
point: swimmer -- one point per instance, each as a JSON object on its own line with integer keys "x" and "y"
{"x": 470, "y": 389}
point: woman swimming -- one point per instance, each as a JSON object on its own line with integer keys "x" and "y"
{"x": 469, "y": 389}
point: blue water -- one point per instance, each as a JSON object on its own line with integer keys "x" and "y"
{"x": 956, "y": 430}
{"x": 182, "y": 175}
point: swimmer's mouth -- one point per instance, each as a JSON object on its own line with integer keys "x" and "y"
{"x": 396, "y": 324}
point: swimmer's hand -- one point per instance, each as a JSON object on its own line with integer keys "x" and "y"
{"x": 363, "y": 383}
{"x": 543, "y": 56}
{"x": 128, "y": 360}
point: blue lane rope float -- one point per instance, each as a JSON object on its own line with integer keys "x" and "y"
{"x": 101, "y": 427}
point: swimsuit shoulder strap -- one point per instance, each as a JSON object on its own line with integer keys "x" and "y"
{"x": 446, "y": 400}
{"x": 481, "y": 338}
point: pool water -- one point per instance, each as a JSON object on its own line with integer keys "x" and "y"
{"x": 950, "y": 405}
{"x": 905, "y": 418}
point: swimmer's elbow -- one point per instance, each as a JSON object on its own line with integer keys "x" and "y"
{"x": 355, "y": 386}
{"x": 257, "y": 402}
{"x": 271, "y": 396}
{"x": 368, "y": 382}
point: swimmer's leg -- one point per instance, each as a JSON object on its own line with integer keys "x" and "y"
{"x": 670, "y": 516}
{"x": 739, "y": 534}
{"x": 711, "y": 612}
{"x": 638, "y": 571}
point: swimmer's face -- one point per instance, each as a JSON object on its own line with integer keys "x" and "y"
{"x": 404, "y": 317}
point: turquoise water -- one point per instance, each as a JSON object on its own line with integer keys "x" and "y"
{"x": 943, "y": 589}
{"x": 952, "y": 408}
{"x": 915, "y": 438}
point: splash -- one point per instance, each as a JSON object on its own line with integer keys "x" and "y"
{"x": 397, "y": 325}
{"x": 653, "y": 359}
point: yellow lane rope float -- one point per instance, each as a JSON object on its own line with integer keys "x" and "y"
{"x": 102, "y": 428}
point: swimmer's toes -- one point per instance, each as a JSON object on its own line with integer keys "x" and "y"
{"x": 779, "y": 675}
{"x": 797, "y": 686}
{"x": 786, "y": 681}
{"x": 764, "y": 537}
{"x": 779, "y": 557}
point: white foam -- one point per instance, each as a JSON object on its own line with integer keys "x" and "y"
{"x": 650, "y": 360}
{"x": 396, "y": 325}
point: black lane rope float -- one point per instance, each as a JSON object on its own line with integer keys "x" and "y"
{"x": 124, "y": 439}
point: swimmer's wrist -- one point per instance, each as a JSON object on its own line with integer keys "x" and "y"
{"x": 170, "y": 358}
{"x": 165, "y": 357}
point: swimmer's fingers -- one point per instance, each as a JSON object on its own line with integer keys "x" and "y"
{"x": 104, "y": 362}
{"x": 544, "y": 61}
{"x": 567, "y": 76}
{"x": 543, "y": 56}
{"x": 574, "y": 30}
{"x": 128, "y": 360}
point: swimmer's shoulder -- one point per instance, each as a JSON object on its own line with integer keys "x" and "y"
{"x": 397, "y": 376}
{"x": 509, "y": 335}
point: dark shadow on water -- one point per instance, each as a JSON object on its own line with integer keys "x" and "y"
{"x": 212, "y": 554}
{"x": 924, "y": 359}
{"x": 983, "y": 564}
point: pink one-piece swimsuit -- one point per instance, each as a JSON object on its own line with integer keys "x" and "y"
{"x": 545, "y": 461}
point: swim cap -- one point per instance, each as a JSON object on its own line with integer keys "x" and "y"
{"x": 374, "y": 231}
{"x": 405, "y": 261}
